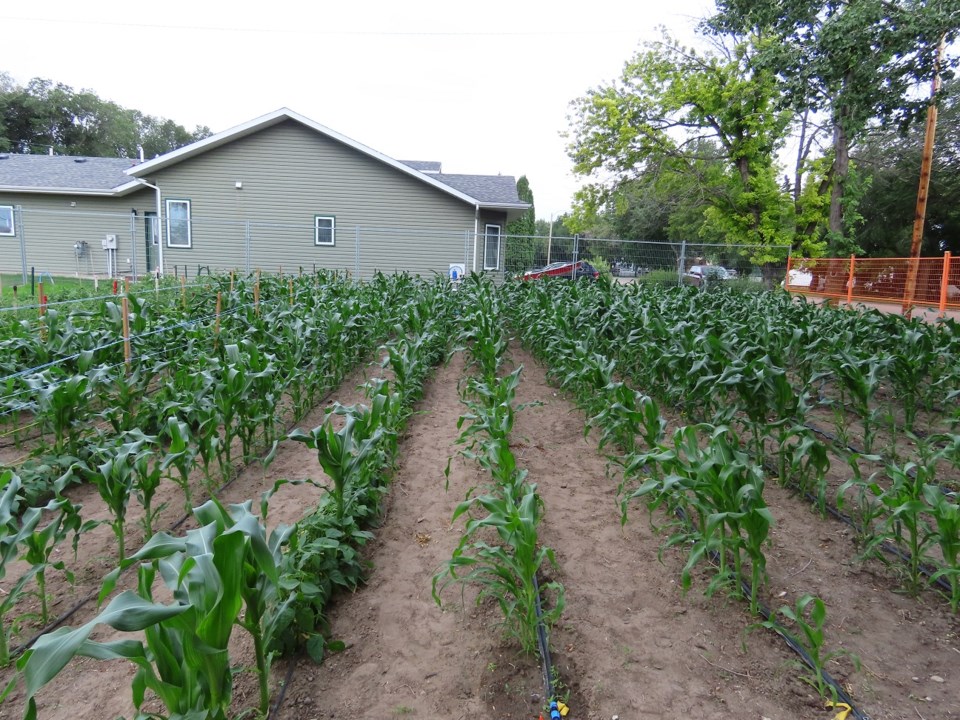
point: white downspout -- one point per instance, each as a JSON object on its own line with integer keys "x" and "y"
{"x": 159, "y": 227}
{"x": 476, "y": 229}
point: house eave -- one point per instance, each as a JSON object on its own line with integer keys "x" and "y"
{"x": 118, "y": 191}
{"x": 512, "y": 210}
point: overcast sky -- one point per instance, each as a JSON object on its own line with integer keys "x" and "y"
{"x": 482, "y": 87}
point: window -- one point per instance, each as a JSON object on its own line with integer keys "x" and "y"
{"x": 324, "y": 230}
{"x": 178, "y": 224}
{"x": 6, "y": 220}
{"x": 491, "y": 247}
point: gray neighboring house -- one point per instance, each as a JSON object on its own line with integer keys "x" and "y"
{"x": 277, "y": 191}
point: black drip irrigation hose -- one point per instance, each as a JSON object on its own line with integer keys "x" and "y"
{"x": 887, "y": 547}
{"x": 275, "y": 709}
{"x": 745, "y": 588}
{"x": 548, "y": 678}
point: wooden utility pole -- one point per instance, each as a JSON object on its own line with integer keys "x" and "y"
{"x": 913, "y": 268}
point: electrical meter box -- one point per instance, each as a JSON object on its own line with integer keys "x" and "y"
{"x": 110, "y": 242}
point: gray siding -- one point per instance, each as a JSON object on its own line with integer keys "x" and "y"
{"x": 49, "y": 225}
{"x": 289, "y": 175}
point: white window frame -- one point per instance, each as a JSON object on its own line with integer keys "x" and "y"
{"x": 487, "y": 236}
{"x": 170, "y": 243}
{"x": 13, "y": 220}
{"x": 332, "y": 229}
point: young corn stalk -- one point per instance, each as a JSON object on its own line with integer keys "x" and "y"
{"x": 807, "y": 619}
{"x": 221, "y": 574}
{"x": 505, "y": 572}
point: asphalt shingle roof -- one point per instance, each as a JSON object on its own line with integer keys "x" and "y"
{"x": 63, "y": 172}
{"x": 485, "y": 188}
{"x": 424, "y": 166}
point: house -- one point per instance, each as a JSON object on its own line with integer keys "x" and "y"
{"x": 278, "y": 191}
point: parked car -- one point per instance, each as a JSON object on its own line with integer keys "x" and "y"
{"x": 568, "y": 270}
{"x": 697, "y": 274}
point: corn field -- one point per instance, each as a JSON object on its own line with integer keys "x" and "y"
{"x": 720, "y": 416}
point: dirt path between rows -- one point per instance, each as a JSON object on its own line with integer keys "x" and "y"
{"x": 630, "y": 643}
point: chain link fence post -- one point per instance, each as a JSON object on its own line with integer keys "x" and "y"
{"x": 682, "y": 262}
{"x": 356, "y": 258}
{"x": 18, "y": 226}
{"x": 133, "y": 244}
{"x": 246, "y": 233}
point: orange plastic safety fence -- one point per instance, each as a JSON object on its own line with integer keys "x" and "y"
{"x": 877, "y": 280}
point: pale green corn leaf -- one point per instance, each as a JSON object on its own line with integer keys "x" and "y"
{"x": 51, "y": 652}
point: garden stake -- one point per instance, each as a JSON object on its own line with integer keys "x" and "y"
{"x": 125, "y": 306}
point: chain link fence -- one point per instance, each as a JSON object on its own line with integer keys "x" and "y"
{"x": 112, "y": 245}
{"x": 693, "y": 263}
{"x": 104, "y": 245}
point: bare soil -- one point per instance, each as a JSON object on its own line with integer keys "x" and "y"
{"x": 630, "y": 642}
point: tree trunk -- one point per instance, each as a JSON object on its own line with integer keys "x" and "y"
{"x": 841, "y": 167}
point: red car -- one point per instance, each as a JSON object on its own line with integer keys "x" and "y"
{"x": 568, "y": 270}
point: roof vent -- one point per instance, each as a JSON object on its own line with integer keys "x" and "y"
{"x": 79, "y": 160}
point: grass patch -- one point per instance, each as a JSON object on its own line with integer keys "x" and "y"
{"x": 58, "y": 287}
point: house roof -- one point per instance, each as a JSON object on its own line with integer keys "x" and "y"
{"x": 503, "y": 201}
{"x": 488, "y": 189}
{"x": 65, "y": 174}
{"x": 424, "y": 166}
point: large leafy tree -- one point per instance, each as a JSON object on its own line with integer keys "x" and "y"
{"x": 853, "y": 62}
{"x": 890, "y": 162}
{"x": 43, "y": 114}
{"x": 676, "y": 110}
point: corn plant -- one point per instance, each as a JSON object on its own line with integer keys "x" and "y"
{"x": 803, "y": 461}
{"x": 60, "y": 402}
{"x": 506, "y": 572}
{"x": 38, "y": 543}
{"x": 230, "y": 395}
{"x": 905, "y": 522}
{"x": 341, "y": 455}
{"x": 114, "y": 477}
{"x": 181, "y": 455}
{"x": 13, "y": 529}
{"x": 221, "y": 574}
{"x": 723, "y": 491}
{"x": 807, "y": 619}
{"x": 945, "y": 511}
{"x": 868, "y": 510}
{"x": 861, "y": 379}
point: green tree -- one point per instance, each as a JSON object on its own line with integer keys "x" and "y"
{"x": 668, "y": 102}
{"x": 44, "y": 114}
{"x": 890, "y": 161}
{"x": 522, "y": 248}
{"x": 855, "y": 62}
